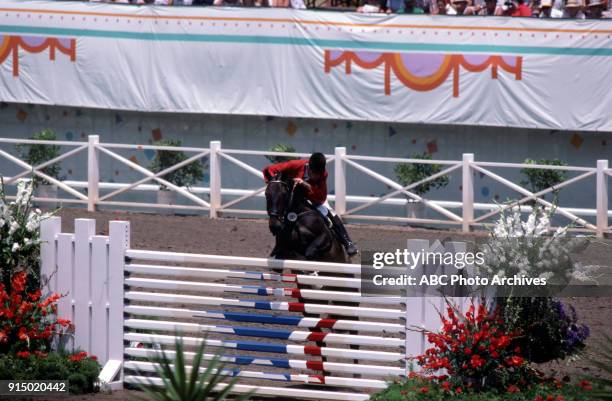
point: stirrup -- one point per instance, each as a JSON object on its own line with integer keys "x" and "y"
{"x": 351, "y": 248}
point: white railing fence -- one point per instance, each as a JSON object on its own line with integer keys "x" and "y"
{"x": 124, "y": 302}
{"x": 218, "y": 199}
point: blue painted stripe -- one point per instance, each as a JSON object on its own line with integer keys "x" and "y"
{"x": 247, "y": 360}
{"x": 259, "y": 290}
{"x": 312, "y": 42}
{"x": 261, "y": 305}
{"x": 266, "y": 319}
{"x": 262, "y": 347}
{"x": 257, "y": 332}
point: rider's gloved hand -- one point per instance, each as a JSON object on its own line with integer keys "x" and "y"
{"x": 299, "y": 181}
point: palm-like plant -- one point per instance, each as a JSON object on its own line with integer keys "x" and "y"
{"x": 603, "y": 360}
{"x": 184, "y": 383}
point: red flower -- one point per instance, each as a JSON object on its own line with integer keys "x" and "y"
{"x": 19, "y": 281}
{"x": 78, "y": 357}
{"x": 467, "y": 351}
{"x": 424, "y": 390}
{"x": 539, "y": 398}
{"x": 585, "y": 385}
{"x": 513, "y": 389}
{"x": 477, "y": 361}
{"x": 40, "y": 354}
{"x": 22, "y": 334}
{"x": 35, "y": 296}
{"x": 446, "y": 386}
{"x": 23, "y": 354}
{"x": 550, "y": 397}
{"x": 458, "y": 390}
{"x": 515, "y": 361}
{"x": 560, "y": 398}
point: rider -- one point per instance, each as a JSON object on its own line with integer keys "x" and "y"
{"x": 312, "y": 176}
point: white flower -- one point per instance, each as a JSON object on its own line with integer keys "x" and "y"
{"x": 546, "y": 275}
{"x": 32, "y": 225}
{"x": 15, "y": 247}
{"x": 14, "y": 226}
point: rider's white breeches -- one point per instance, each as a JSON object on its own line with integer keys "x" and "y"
{"x": 325, "y": 208}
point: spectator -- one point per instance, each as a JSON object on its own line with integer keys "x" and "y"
{"x": 369, "y": 6}
{"x": 520, "y": 9}
{"x": 460, "y": 7}
{"x": 596, "y": 10}
{"x": 407, "y": 7}
{"x": 227, "y": 3}
{"x": 490, "y": 8}
{"x": 573, "y": 10}
{"x": 545, "y": 9}
{"x": 393, "y": 6}
{"x": 438, "y": 8}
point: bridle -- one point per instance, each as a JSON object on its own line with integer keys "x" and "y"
{"x": 275, "y": 213}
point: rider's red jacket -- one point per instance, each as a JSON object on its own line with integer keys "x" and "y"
{"x": 298, "y": 169}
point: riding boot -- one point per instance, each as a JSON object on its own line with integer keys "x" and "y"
{"x": 340, "y": 230}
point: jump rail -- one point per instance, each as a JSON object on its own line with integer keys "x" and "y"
{"x": 222, "y": 200}
{"x": 125, "y": 303}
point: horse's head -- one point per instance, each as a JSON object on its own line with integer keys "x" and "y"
{"x": 277, "y": 196}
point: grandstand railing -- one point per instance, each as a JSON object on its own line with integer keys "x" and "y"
{"x": 227, "y": 201}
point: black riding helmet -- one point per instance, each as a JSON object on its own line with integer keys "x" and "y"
{"x": 317, "y": 162}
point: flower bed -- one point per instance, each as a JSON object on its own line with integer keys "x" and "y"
{"x": 32, "y": 336}
{"x": 422, "y": 389}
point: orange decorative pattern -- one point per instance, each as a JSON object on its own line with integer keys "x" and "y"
{"x": 423, "y": 71}
{"x": 11, "y": 44}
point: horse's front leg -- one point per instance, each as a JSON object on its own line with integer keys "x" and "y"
{"x": 318, "y": 246}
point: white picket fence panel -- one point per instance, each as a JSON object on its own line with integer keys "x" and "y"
{"x": 223, "y": 200}
{"x": 101, "y": 278}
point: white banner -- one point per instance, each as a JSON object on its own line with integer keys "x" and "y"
{"x": 417, "y": 69}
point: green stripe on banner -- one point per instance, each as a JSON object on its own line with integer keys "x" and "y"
{"x": 326, "y": 43}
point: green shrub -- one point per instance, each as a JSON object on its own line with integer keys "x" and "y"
{"x": 80, "y": 370}
{"x": 279, "y": 147}
{"x": 408, "y": 173}
{"x": 185, "y": 176}
{"x": 540, "y": 179}
{"x": 38, "y": 154}
{"x": 196, "y": 382}
{"x": 419, "y": 389}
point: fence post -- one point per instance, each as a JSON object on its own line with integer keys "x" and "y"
{"x": 415, "y": 309}
{"x": 119, "y": 243}
{"x": 84, "y": 229}
{"x": 93, "y": 173}
{"x": 65, "y": 279}
{"x": 602, "y": 197}
{"x": 339, "y": 181}
{"x": 49, "y": 228}
{"x": 467, "y": 192}
{"x": 215, "y": 178}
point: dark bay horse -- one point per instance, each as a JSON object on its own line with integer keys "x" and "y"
{"x": 301, "y": 232}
